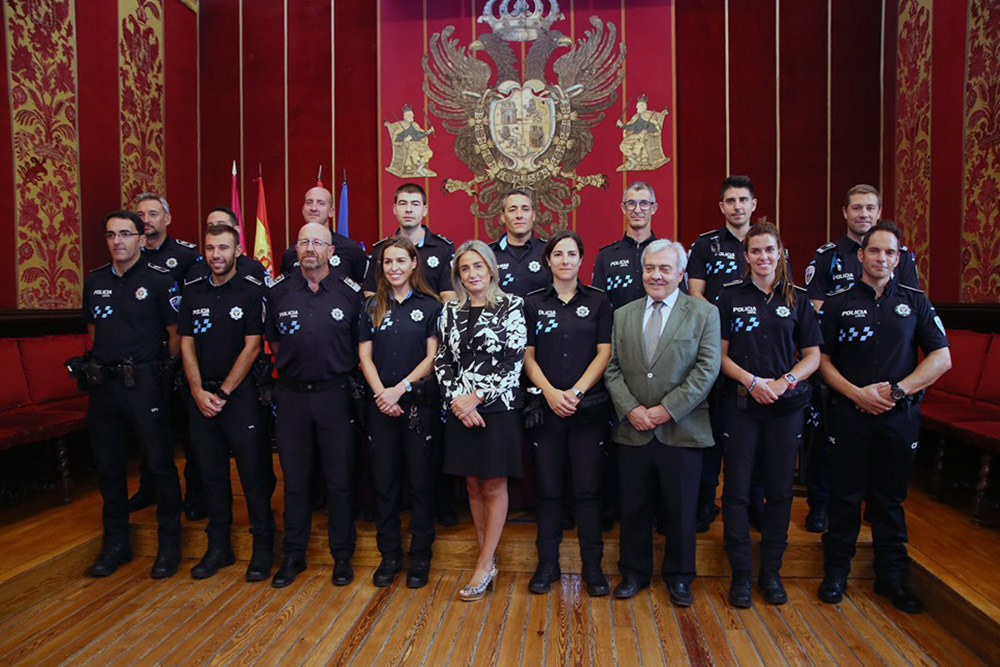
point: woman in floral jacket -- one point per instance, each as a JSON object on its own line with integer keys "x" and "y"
{"x": 478, "y": 366}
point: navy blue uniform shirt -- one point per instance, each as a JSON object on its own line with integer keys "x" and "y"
{"x": 764, "y": 333}
{"x": 566, "y": 335}
{"x": 218, "y": 317}
{"x": 435, "y": 253}
{"x": 176, "y": 256}
{"x": 317, "y": 331}
{"x": 521, "y": 271}
{"x": 875, "y": 340}
{"x": 618, "y": 270}
{"x": 836, "y": 267}
{"x": 130, "y": 313}
{"x": 399, "y": 343}
{"x": 245, "y": 266}
{"x": 348, "y": 259}
{"x": 717, "y": 258}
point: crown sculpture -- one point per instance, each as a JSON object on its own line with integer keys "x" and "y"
{"x": 520, "y": 25}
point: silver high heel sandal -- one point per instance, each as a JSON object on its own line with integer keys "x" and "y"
{"x": 478, "y": 592}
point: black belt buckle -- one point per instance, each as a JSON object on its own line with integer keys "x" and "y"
{"x": 128, "y": 373}
{"x": 741, "y": 397}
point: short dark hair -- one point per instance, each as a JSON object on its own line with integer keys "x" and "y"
{"x": 862, "y": 189}
{"x": 228, "y": 211}
{"x": 220, "y": 229}
{"x": 518, "y": 191}
{"x": 125, "y": 215}
{"x": 554, "y": 241}
{"x": 736, "y": 181}
{"x": 882, "y": 226}
{"x": 412, "y": 188}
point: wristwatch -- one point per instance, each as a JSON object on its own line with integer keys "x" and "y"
{"x": 577, "y": 392}
{"x": 222, "y": 394}
{"x": 407, "y": 385}
{"x": 897, "y": 392}
{"x": 790, "y": 379}
{"x": 479, "y": 395}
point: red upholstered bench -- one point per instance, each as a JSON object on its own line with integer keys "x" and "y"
{"x": 39, "y": 402}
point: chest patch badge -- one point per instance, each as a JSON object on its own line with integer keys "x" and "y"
{"x": 417, "y": 315}
{"x": 902, "y": 310}
{"x": 582, "y": 311}
{"x": 335, "y": 260}
{"x": 172, "y": 263}
{"x": 337, "y": 314}
{"x": 141, "y": 293}
{"x": 236, "y": 312}
{"x": 782, "y": 311}
{"x": 534, "y": 266}
{"x": 433, "y": 261}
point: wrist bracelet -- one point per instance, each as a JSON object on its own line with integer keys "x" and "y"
{"x": 753, "y": 383}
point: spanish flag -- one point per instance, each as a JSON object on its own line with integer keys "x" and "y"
{"x": 262, "y": 237}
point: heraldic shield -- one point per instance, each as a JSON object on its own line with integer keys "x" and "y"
{"x": 522, "y": 123}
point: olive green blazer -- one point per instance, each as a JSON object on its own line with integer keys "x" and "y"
{"x": 684, "y": 368}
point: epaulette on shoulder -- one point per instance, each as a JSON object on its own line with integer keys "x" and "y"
{"x": 537, "y": 291}
{"x": 801, "y": 289}
{"x": 443, "y": 238}
{"x": 613, "y": 243}
{"x": 277, "y": 280}
{"x": 192, "y": 281}
{"x": 912, "y": 289}
{"x": 596, "y": 289}
{"x": 353, "y": 285}
{"x": 733, "y": 283}
{"x": 380, "y": 242}
{"x": 186, "y": 244}
{"x": 157, "y": 267}
{"x": 102, "y": 266}
{"x": 841, "y": 290}
{"x": 708, "y": 233}
{"x": 255, "y": 281}
{"x": 903, "y": 248}
{"x": 826, "y": 247}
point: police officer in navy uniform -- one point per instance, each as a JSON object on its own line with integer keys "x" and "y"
{"x": 871, "y": 334}
{"x": 569, "y": 344}
{"x": 398, "y": 341}
{"x": 129, "y": 315}
{"x": 617, "y": 268}
{"x": 312, "y": 325}
{"x": 347, "y": 258}
{"x": 770, "y": 344}
{"x": 836, "y": 267}
{"x": 221, "y": 326}
{"x": 245, "y": 265}
{"x": 519, "y": 250}
{"x": 177, "y": 257}
{"x": 716, "y": 258}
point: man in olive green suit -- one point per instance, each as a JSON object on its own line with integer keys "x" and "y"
{"x": 665, "y": 357}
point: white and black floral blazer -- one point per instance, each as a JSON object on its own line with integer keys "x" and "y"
{"x": 489, "y": 360}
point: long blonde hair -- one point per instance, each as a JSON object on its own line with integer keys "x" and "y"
{"x": 378, "y": 305}
{"x": 493, "y": 292}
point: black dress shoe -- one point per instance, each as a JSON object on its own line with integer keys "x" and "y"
{"x": 597, "y": 583}
{"x": 214, "y": 558}
{"x": 680, "y": 594}
{"x": 831, "y": 589}
{"x": 166, "y": 563}
{"x": 817, "y": 520}
{"x": 384, "y": 575}
{"x": 261, "y": 561}
{"x": 290, "y": 567}
{"x": 343, "y": 573}
{"x": 740, "y": 595}
{"x": 771, "y": 588}
{"x": 111, "y": 556}
{"x": 545, "y": 575}
{"x": 447, "y": 517}
{"x": 901, "y": 596}
{"x": 628, "y": 588}
{"x": 140, "y": 500}
{"x": 417, "y": 574}
{"x": 706, "y": 515}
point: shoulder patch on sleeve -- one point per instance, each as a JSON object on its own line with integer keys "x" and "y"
{"x": 192, "y": 281}
{"x": 255, "y": 281}
{"x": 277, "y": 280}
{"x": 102, "y": 266}
{"x": 733, "y": 283}
{"x": 157, "y": 267}
{"x": 840, "y": 291}
{"x": 186, "y": 244}
{"x": 596, "y": 289}
{"x": 912, "y": 289}
{"x": 353, "y": 285}
{"x": 826, "y": 247}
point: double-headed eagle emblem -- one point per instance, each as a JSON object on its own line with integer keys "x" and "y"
{"x": 523, "y": 131}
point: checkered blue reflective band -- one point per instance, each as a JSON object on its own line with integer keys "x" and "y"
{"x": 545, "y": 327}
{"x": 618, "y": 282}
{"x": 854, "y": 333}
{"x": 103, "y": 312}
{"x": 386, "y": 322}
{"x": 507, "y": 280}
{"x": 721, "y": 266}
{"x": 288, "y": 328}
{"x": 739, "y": 325}
{"x": 201, "y": 325}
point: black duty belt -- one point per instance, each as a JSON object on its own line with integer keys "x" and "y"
{"x": 123, "y": 370}
{"x": 319, "y": 385}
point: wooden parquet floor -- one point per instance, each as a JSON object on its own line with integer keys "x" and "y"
{"x": 129, "y": 619}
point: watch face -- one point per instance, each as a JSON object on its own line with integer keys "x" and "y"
{"x": 898, "y": 393}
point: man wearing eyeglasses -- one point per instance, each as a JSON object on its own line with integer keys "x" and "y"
{"x": 617, "y": 269}
{"x": 129, "y": 315}
{"x": 312, "y": 326}
{"x": 347, "y": 257}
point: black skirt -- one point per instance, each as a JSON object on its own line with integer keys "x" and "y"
{"x": 493, "y": 451}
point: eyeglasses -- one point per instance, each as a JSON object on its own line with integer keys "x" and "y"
{"x": 123, "y": 235}
{"x": 642, "y": 204}
{"x": 318, "y": 243}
